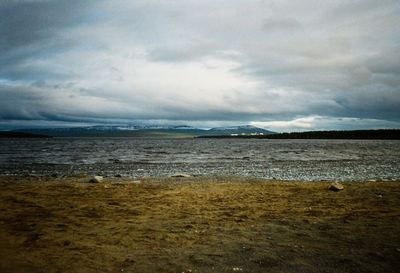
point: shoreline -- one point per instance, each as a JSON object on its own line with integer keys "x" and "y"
{"x": 84, "y": 178}
{"x": 197, "y": 224}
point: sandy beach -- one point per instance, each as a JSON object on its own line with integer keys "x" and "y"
{"x": 65, "y": 224}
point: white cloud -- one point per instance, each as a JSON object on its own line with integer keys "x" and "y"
{"x": 201, "y": 61}
{"x": 313, "y": 123}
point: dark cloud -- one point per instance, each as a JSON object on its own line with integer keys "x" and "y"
{"x": 202, "y": 62}
{"x": 32, "y": 30}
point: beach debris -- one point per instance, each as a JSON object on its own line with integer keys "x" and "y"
{"x": 237, "y": 269}
{"x": 96, "y": 179}
{"x": 136, "y": 181}
{"x": 145, "y": 177}
{"x": 181, "y": 175}
{"x": 336, "y": 186}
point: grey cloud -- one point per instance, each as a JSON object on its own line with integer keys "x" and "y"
{"x": 363, "y": 9}
{"x": 281, "y": 24}
{"x": 176, "y": 52}
{"x": 31, "y": 30}
{"x": 203, "y": 61}
{"x": 27, "y": 23}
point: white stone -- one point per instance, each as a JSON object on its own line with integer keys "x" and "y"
{"x": 96, "y": 179}
{"x": 181, "y": 175}
{"x": 336, "y": 186}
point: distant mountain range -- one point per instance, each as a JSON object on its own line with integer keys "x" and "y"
{"x": 184, "y": 131}
{"x": 180, "y": 131}
{"x": 239, "y": 130}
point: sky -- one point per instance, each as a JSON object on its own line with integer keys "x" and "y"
{"x": 283, "y": 65}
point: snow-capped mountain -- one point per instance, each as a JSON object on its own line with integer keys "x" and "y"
{"x": 146, "y": 127}
{"x": 244, "y": 129}
{"x": 148, "y": 130}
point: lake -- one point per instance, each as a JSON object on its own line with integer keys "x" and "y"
{"x": 309, "y": 160}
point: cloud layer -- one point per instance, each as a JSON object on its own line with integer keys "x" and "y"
{"x": 200, "y": 62}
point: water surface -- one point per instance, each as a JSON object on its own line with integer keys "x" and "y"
{"x": 354, "y": 160}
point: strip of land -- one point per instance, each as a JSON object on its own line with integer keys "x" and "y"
{"x": 7, "y": 134}
{"x": 382, "y": 134}
{"x": 197, "y": 225}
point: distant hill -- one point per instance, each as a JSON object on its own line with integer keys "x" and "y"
{"x": 8, "y": 134}
{"x": 239, "y": 130}
{"x": 181, "y": 131}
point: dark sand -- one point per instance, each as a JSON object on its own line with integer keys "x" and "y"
{"x": 197, "y": 225}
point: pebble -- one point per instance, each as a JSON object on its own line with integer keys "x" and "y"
{"x": 96, "y": 179}
{"x": 336, "y": 186}
{"x": 181, "y": 175}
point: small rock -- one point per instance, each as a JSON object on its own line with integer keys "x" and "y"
{"x": 146, "y": 177}
{"x": 336, "y": 186}
{"x": 181, "y": 175}
{"x": 118, "y": 175}
{"x": 96, "y": 179}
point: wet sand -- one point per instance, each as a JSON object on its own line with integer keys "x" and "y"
{"x": 197, "y": 225}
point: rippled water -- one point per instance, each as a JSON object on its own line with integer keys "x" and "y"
{"x": 136, "y": 157}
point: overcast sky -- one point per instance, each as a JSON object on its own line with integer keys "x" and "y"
{"x": 285, "y": 65}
